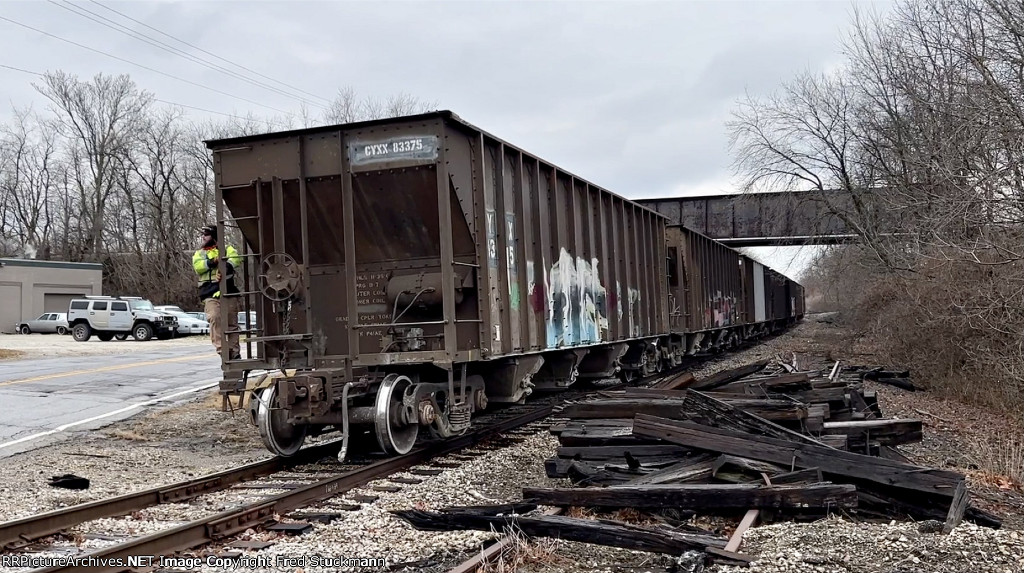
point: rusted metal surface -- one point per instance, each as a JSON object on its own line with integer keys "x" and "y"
{"x": 708, "y": 288}
{"x": 511, "y": 254}
{"x": 757, "y": 219}
{"x": 712, "y": 286}
{"x": 228, "y": 523}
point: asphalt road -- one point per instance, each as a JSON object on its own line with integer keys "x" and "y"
{"x": 42, "y": 398}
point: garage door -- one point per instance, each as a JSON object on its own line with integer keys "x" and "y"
{"x": 53, "y": 302}
{"x": 10, "y": 307}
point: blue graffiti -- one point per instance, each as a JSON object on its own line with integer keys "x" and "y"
{"x": 577, "y": 302}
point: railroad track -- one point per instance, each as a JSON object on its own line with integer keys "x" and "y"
{"x": 221, "y": 526}
{"x": 218, "y": 528}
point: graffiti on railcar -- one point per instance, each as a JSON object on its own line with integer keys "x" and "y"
{"x": 722, "y": 310}
{"x": 513, "y": 268}
{"x": 531, "y": 289}
{"x": 492, "y": 240}
{"x": 634, "y": 309}
{"x": 577, "y": 302}
{"x": 618, "y": 297}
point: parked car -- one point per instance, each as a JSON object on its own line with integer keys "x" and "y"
{"x": 244, "y": 324}
{"x": 199, "y": 315}
{"x": 187, "y": 324}
{"x": 109, "y": 317}
{"x": 47, "y": 323}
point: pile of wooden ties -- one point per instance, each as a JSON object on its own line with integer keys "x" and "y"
{"x": 764, "y": 446}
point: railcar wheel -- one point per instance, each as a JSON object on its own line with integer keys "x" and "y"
{"x": 395, "y": 434}
{"x": 278, "y": 435}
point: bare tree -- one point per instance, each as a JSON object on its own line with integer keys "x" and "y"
{"x": 344, "y": 108}
{"x": 922, "y": 130}
{"x": 347, "y": 107}
{"x": 163, "y": 217}
{"x": 8, "y": 228}
{"x": 29, "y": 187}
{"x": 99, "y": 120}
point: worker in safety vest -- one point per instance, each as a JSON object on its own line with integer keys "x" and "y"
{"x": 209, "y": 263}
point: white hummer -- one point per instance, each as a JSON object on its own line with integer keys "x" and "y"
{"x": 109, "y": 317}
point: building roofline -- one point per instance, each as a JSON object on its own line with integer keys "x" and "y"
{"x": 50, "y": 264}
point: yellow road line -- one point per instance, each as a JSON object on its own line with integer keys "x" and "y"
{"x": 94, "y": 370}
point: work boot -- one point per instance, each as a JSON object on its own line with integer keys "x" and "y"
{"x": 234, "y": 355}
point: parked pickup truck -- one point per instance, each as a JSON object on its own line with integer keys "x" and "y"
{"x": 110, "y": 317}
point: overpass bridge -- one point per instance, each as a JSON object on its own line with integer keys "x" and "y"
{"x": 759, "y": 219}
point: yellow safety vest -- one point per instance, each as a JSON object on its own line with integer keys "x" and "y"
{"x": 207, "y": 271}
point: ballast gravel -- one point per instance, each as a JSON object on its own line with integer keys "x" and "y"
{"x": 368, "y": 533}
{"x": 372, "y": 532}
{"x": 836, "y": 545}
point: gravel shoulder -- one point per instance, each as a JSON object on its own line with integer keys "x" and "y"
{"x": 25, "y": 346}
{"x": 161, "y": 447}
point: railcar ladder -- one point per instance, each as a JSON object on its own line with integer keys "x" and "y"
{"x": 236, "y": 369}
{"x": 254, "y": 333}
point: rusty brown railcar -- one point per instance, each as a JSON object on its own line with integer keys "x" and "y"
{"x": 797, "y": 302}
{"x": 719, "y": 297}
{"x": 706, "y": 288}
{"x": 406, "y": 272}
{"x": 776, "y": 295}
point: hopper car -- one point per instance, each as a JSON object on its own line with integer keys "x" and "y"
{"x": 409, "y": 273}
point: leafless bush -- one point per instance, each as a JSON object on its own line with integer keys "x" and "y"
{"x": 958, "y": 326}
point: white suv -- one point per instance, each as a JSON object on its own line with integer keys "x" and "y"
{"x": 109, "y": 317}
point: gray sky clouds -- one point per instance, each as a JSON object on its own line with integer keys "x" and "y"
{"x": 630, "y": 95}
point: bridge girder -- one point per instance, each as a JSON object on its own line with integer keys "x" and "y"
{"x": 759, "y": 219}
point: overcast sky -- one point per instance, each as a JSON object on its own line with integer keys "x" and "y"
{"x": 632, "y": 96}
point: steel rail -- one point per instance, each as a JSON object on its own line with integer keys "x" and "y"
{"x": 225, "y": 524}
{"x": 18, "y": 532}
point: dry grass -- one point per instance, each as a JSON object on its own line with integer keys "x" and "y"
{"x": 525, "y": 553}
{"x": 130, "y": 435}
{"x": 581, "y": 513}
{"x": 5, "y": 353}
{"x": 635, "y": 517}
{"x": 1000, "y": 460}
{"x": 214, "y": 401}
{"x": 954, "y": 323}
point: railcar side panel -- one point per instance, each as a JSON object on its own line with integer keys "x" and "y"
{"x": 709, "y": 293}
{"x": 427, "y": 240}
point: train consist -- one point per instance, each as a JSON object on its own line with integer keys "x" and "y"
{"x": 407, "y": 273}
